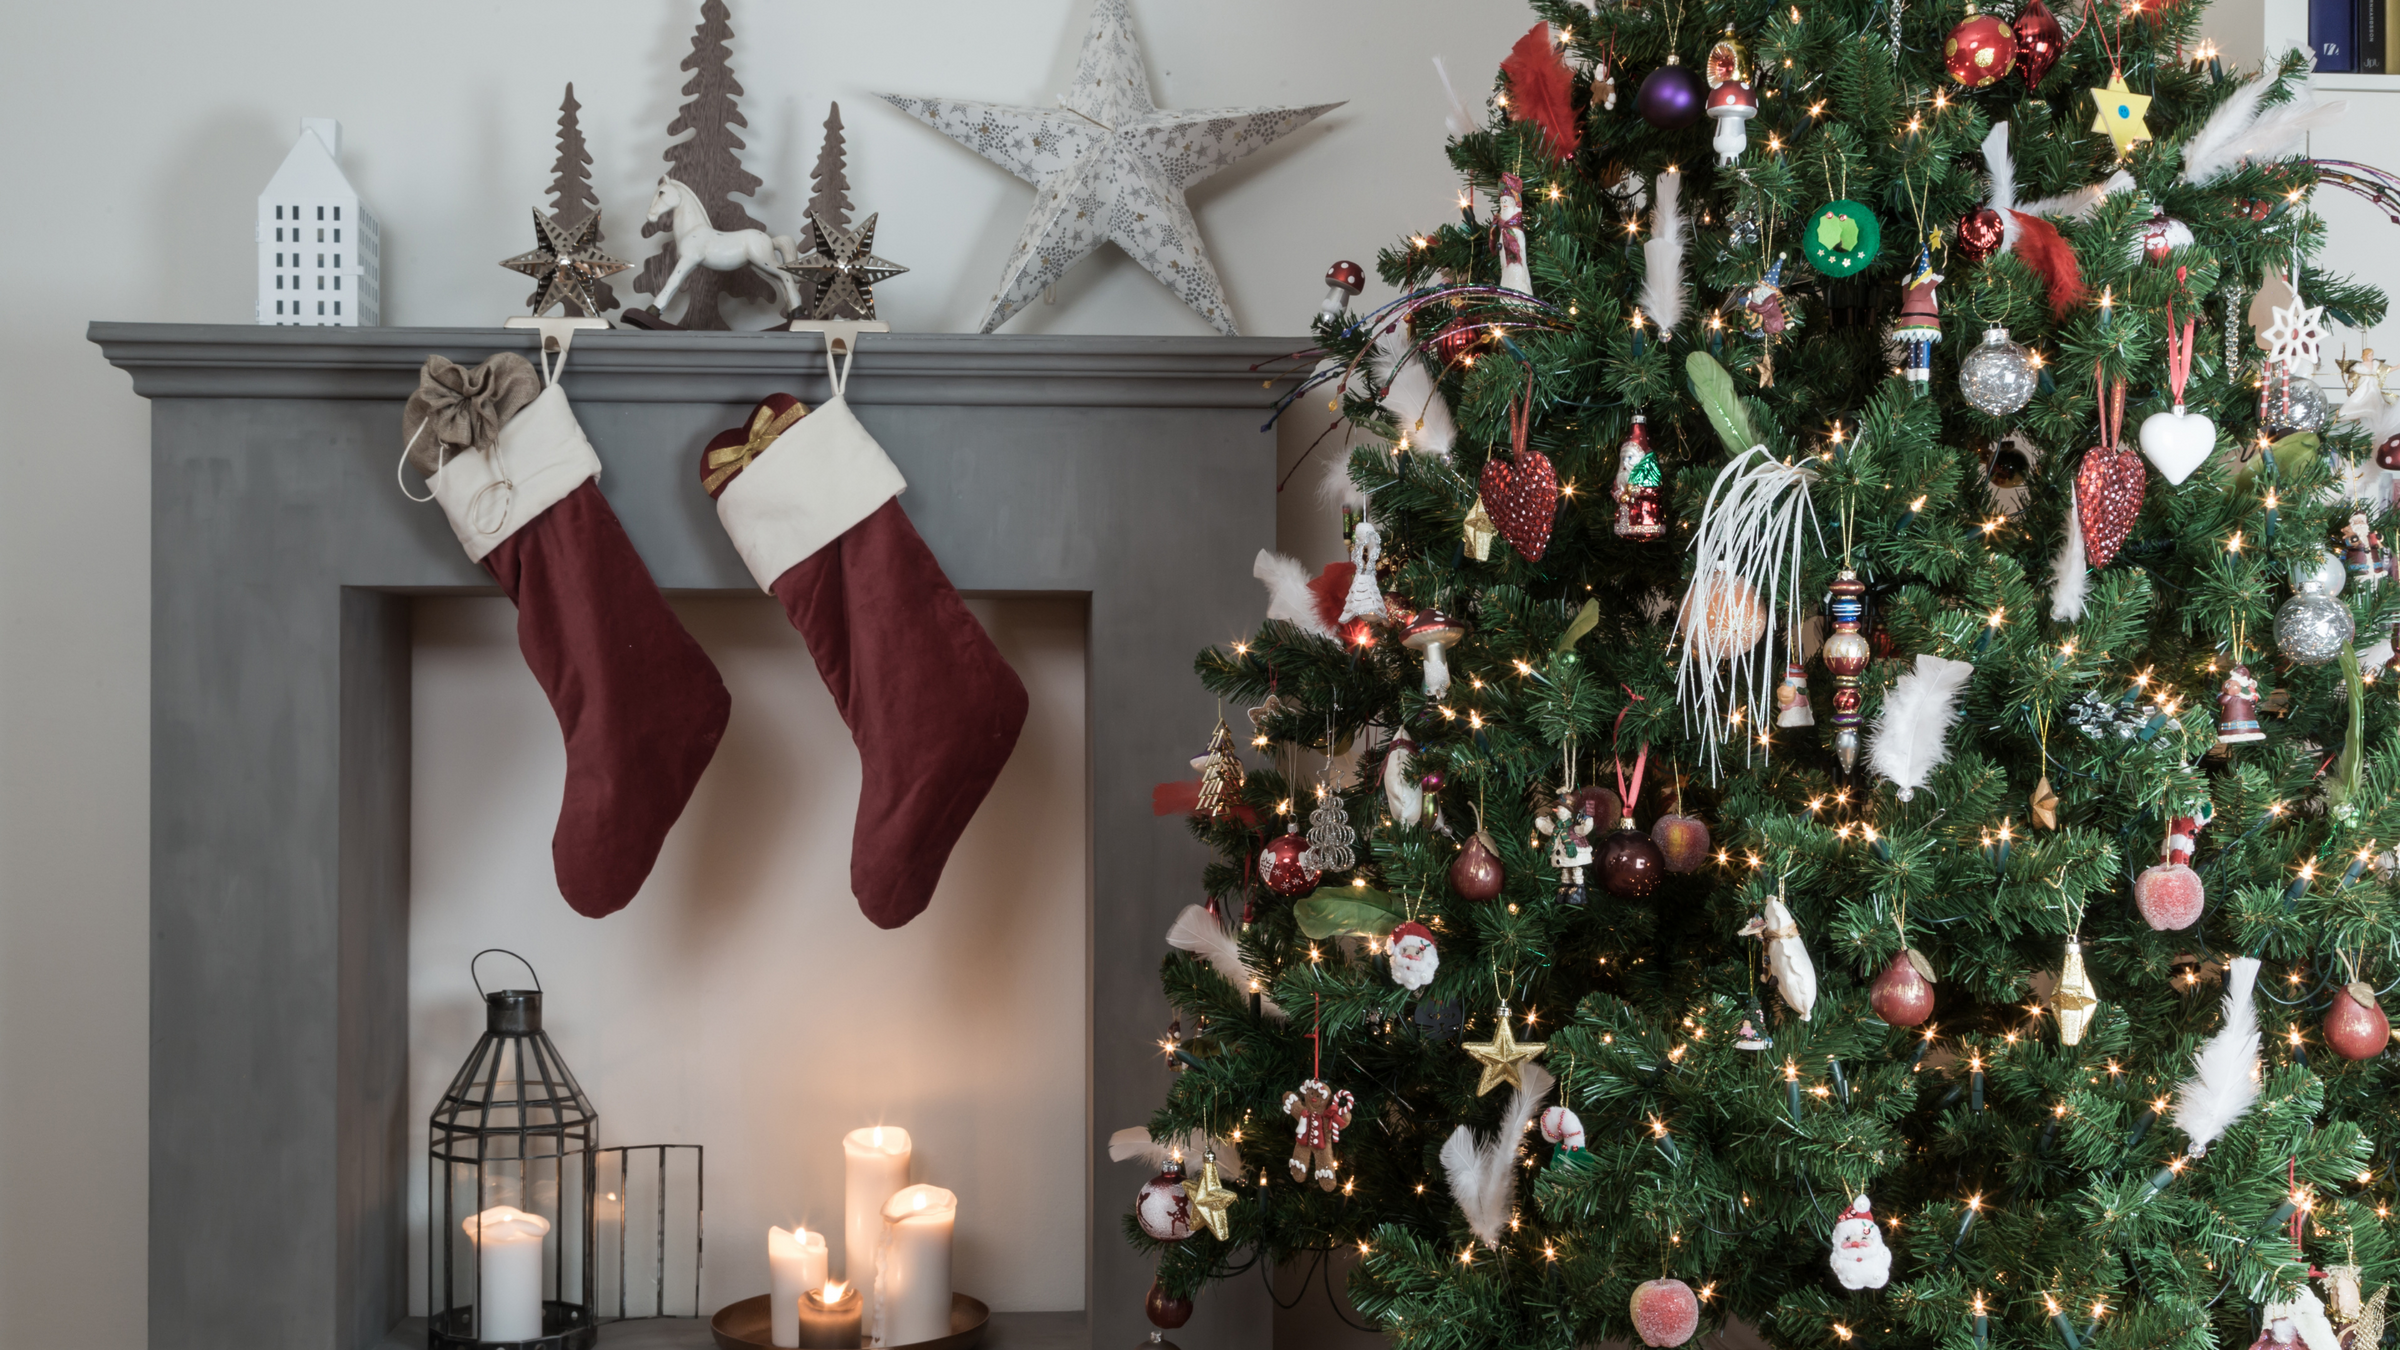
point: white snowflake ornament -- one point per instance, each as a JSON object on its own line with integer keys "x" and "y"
{"x": 2296, "y": 339}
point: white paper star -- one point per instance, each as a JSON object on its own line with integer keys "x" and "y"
{"x": 1108, "y": 166}
{"x": 2296, "y": 340}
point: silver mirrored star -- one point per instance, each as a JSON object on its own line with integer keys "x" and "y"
{"x": 567, "y": 261}
{"x": 1109, "y": 167}
{"x": 841, "y": 271}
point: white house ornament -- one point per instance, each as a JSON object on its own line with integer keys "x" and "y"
{"x": 1860, "y": 1258}
{"x": 567, "y": 263}
{"x": 320, "y": 251}
{"x": 1108, "y": 167}
{"x": 842, "y": 270}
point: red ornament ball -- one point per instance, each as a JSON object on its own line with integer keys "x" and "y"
{"x": 1163, "y": 1207}
{"x": 2169, "y": 896}
{"x": 1981, "y": 51}
{"x": 1682, "y": 841}
{"x": 1901, "y": 995}
{"x": 2355, "y": 1025}
{"x": 1665, "y": 1313}
{"x": 1165, "y": 1309}
{"x": 1476, "y": 873}
{"x": 1980, "y": 233}
{"x": 1630, "y": 865}
{"x": 2039, "y": 41}
{"x": 1280, "y": 866}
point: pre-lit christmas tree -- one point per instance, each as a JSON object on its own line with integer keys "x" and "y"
{"x": 1910, "y": 792}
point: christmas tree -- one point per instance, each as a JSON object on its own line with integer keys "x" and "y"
{"x": 572, "y": 200}
{"x": 707, "y": 162}
{"x": 829, "y": 200}
{"x": 2004, "y": 969}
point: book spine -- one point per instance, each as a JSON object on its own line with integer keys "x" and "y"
{"x": 2330, "y": 30}
{"x": 2369, "y": 42}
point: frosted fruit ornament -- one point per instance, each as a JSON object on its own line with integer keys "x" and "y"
{"x": 2355, "y": 1026}
{"x": 1664, "y": 1312}
{"x": 1999, "y": 376}
{"x": 1476, "y": 873}
{"x": 1903, "y": 994}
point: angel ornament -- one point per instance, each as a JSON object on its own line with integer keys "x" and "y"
{"x": 1320, "y": 1114}
{"x": 1788, "y": 965}
{"x": 2360, "y": 1318}
{"x": 1569, "y": 827}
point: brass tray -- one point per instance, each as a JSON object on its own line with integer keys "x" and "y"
{"x": 744, "y": 1325}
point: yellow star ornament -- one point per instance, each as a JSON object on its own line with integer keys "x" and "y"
{"x": 1503, "y": 1057}
{"x": 1210, "y": 1198}
{"x": 2121, "y": 113}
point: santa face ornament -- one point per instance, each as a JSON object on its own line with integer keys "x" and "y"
{"x": 1860, "y": 1260}
{"x": 1415, "y": 958}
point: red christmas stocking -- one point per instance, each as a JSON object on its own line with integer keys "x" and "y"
{"x": 640, "y": 704}
{"x": 812, "y": 505}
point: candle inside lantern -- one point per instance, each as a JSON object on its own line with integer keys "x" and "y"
{"x": 912, "y": 1289}
{"x": 796, "y": 1259}
{"x": 508, "y": 1273}
{"x": 829, "y": 1317}
{"x": 876, "y": 1165}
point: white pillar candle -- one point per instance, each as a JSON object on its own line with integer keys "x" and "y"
{"x": 876, "y": 1160}
{"x": 912, "y": 1288}
{"x": 508, "y": 1273}
{"x": 796, "y": 1260}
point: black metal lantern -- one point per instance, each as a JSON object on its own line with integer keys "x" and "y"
{"x": 514, "y": 1129}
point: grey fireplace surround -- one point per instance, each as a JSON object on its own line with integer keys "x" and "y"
{"x": 1130, "y": 471}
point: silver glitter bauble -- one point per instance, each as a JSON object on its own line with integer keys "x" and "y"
{"x": 2312, "y": 626}
{"x": 1998, "y": 377}
{"x": 1741, "y": 229}
{"x": 2294, "y": 405}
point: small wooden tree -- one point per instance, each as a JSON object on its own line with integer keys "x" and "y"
{"x": 708, "y": 164}
{"x": 572, "y": 200}
{"x": 1221, "y": 776}
{"x": 831, "y": 183}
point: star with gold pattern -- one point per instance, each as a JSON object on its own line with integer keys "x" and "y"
{"x": 2121, "y": 113}
{"x": 567, "y": 261}
{"x": 1503, "y": 1057}
{"x": 841, "y": 271}
{"x": 1210, "y": 1198}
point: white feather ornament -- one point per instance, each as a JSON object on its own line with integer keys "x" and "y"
{"x": 2207, "y": 145}
{"x": 2003, "y": 169}
{"x": 2079, "y": 204}
{"x": 1912, "y": 736}
{"x": 1662, "y": 256}
{"x": 1134, "y": 1142}
{"x": 1336, "y": 492}
{"x": 1195, "y": 931}
{"x": 1288, "y": 595}
{"x": 1483, "y": 1175}
{"x": 1747, "y": 554}
{"x": 1455, "y": 119}
{"x": 1410, "y": 395}
{"x": 2224, "y": 1082}
{"x": 2068, "y": 575}
{"x": 2237, "y": 133}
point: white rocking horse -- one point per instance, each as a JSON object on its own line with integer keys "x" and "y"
{"x": 699, "y": 244}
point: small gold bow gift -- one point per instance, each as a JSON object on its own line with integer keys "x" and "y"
{"x": 765, "y": 425}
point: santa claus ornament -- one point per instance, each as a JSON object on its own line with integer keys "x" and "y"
{"x": 1415, "y": 958}
{"x": 1860, "y": 1260}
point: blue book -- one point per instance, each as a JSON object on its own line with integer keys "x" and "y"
{"x": 2331, "y": 27}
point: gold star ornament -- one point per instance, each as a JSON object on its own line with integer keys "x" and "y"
{"x": 841, "y": 271}
{"x": 2121, "y": 113}
{"x": 567, "y": 261}
{"x": 1503, "y": 1057}
{"x": 1210, "y": 1198}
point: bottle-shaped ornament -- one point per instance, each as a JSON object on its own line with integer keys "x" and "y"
{"x": 1791, "y": 699}
{"x": 2237, "y": 703}
{"x": 1641, "y": 510}
{"x": 1846, "y": 654}
{"x": 1920, "y": 323}
{"x": 1508, "y": 235}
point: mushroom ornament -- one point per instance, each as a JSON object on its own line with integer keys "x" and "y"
{"x": 1730, "y": 105}
{"x": 1430, "y": 632}
{"x": 1343, "y": 280}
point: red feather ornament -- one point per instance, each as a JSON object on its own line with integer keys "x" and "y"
{"x": 1330, "y": 588}
{"x": 2047, "y": 252}
{"x": 1541, "y": 90}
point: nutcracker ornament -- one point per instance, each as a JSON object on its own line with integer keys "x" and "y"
{"x": 1860, "y": 1258}
{"x": 1919, "y": 326}
{"x": 1319, "y": 1116}
{"x": 1640, "y": 514}
{"x": 2237, "y": 701}
{"x": 1846, "y": 652}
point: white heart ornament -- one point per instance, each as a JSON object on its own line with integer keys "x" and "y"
{"x": 2178, "y": 442}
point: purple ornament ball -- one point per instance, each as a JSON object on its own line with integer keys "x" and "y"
{"x": 1671, "y": 97}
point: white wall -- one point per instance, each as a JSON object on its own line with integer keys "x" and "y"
{"x": 142, "y": 133}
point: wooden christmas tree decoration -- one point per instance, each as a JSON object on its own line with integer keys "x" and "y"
{"x": 572, "y": 200}
{"x": 830, "y": 199}
{"x": 706, "y": 163}
{"x": 1220, "y": 775}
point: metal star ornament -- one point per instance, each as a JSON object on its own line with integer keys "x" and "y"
{"x": 1210, "y": 1198}
{"x": 1109, "y": 167}
{"x": 567, "y": 261}
{"x": 841, "y": 271}
{"x": 1503, "y": 1057}
{"x": 2121, "y": 113}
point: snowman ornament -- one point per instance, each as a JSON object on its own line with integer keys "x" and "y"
{"x": 1860, "y": 1260}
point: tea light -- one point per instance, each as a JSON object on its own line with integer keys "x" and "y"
{"x": 508, "y": 1273}
{"x": 829, "y": 1317}
{"x": 912, "y": 1291}
{"x": 797, "y": 1260}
